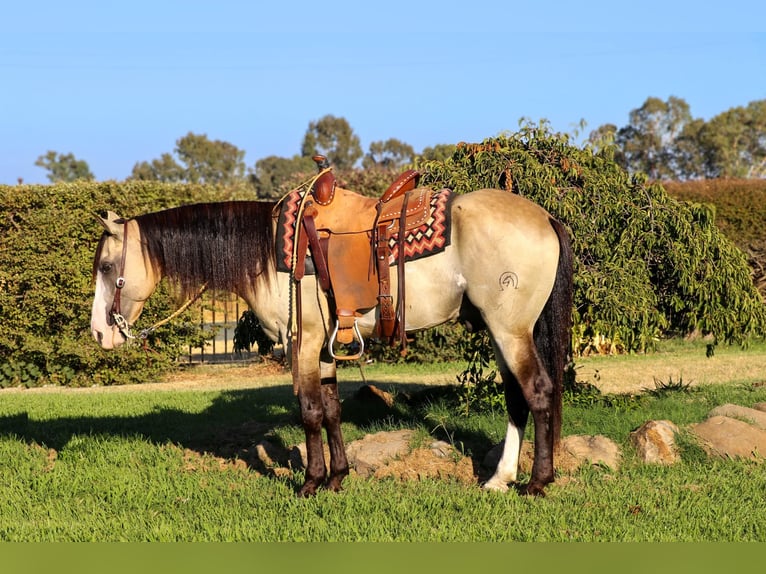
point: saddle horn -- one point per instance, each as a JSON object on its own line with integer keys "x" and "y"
{"x": 321, "y": 161}
{"x": 324, "y": 187}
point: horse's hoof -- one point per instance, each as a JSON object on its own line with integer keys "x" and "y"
{"x": 496, "y": 485}
{"x": 335, "y": 484}
{"x": 307, "y": 490}
{"x": 534, "y": 489}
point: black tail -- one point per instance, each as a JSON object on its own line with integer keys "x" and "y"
{"x": 553, "y": 331}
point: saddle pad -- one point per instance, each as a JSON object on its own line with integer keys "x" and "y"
{"x": 429, "y": 238}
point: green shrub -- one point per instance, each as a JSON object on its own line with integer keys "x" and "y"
{"x": 740, "y": 207}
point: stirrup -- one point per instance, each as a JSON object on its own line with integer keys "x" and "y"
{"x": 334, "y": 335}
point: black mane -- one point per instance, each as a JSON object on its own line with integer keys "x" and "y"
{"x": 226, "y": 245}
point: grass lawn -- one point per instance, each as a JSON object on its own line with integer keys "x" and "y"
{"x": 168, "y": 462}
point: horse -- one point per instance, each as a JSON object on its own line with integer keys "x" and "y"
{"x": 507, "y": 268}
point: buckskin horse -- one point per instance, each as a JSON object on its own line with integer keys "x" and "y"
{"x": 503, "y": 263}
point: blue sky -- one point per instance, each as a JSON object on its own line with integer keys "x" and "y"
{"x": 115, "y": 83}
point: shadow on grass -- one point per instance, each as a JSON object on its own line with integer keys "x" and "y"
{"x": 237, "y": 420}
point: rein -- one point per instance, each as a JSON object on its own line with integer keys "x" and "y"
{"x": 116, "y": 313}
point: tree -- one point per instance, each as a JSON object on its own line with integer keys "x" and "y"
{"x": 165, "y": 169}
{"x": 438, "y": 152}
{"x": 689, "y": 155}
{"x": 200, "y": 161}
{"x": 333, "y": 138}
{"x": 391, "y": 153}
{"x": 646, "y": 141}
{"x": 274, "y": 176}
{"x": 734, "y": 142}
{"x": 64, "y": 167}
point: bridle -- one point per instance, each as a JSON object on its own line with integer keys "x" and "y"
{"x": 115, "y": 313}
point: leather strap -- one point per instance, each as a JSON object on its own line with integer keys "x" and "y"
{"x": 120, "y": 283}
{"x": 400, "y": 276}
{"x": 320, "y": 259}
{"x": 385, "y": 301}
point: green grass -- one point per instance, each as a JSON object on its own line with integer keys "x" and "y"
{"x": 167, "y": 466}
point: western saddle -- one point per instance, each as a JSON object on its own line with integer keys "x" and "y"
{"x": 347, "y": 236}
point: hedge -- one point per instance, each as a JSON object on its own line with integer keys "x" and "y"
{"x": 740, "y": 206}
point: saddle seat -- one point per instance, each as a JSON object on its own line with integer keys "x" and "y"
{"x": 348, "y": 236}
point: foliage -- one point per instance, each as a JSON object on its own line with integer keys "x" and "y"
{"x": 274, "y": 176}
{"x": 391, "y": 153}
{"x": 438, "y": 344}
{"x": 48, "y": 235}
{"x": 647, "y": 265}
{"x": 740, "y": 208}
{"x": 646, "y": 141}
{"x": 200, "y": 160}
{"x": 670, "y": 386}
{"x": 332, "y": 137}
{"x": 248, "y": 332}
{"x": 735, "y": 142}
{"x": 480, "y": 390}
{"x": 438, "y": 152}
{"x": 64, "y": 167}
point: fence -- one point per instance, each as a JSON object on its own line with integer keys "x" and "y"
{"x": 219, "y": 312}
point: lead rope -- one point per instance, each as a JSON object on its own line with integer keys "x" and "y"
{"x": 149, "y": 330}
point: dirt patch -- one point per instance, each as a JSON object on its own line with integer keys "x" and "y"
{"x": 637, "y": 373}
{"x": 421, "y": 464}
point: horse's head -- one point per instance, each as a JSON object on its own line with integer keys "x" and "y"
{"x": 124, "y": 281}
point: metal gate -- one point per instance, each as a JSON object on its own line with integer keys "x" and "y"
{"x": 219, "y": 312}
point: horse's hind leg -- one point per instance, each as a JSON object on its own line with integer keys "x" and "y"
{"x": 536, "y": 389}
{"x": 518, "y": 414}
{"x": 331, "y": 421}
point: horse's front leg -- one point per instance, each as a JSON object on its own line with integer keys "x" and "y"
{"x": 332, "y": 417}
{"x": 320, "y": 407}
{"x": 310, "y": 399}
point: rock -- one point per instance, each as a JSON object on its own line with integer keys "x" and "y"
{"x": 299, "y": 458}
{"x": 732, "y": 438}
{"x": 375, "y": 450}
{"x": 526, "y": 458}
{"x": 655, "y": 442}
{"x": 573, "y": 452}
{"x": 374, "y": 395}
{"x": 271, "y": 455}
{"x": 751, "y": 416}
{"x": 598, "y": 450}
{"x": 760, "y": 406}
{"x": 442, "y": 449}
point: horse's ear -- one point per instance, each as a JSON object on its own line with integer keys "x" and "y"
{"x": 111, "y": 222}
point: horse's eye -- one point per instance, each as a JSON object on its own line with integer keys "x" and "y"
{"x": 105, "y": 268}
